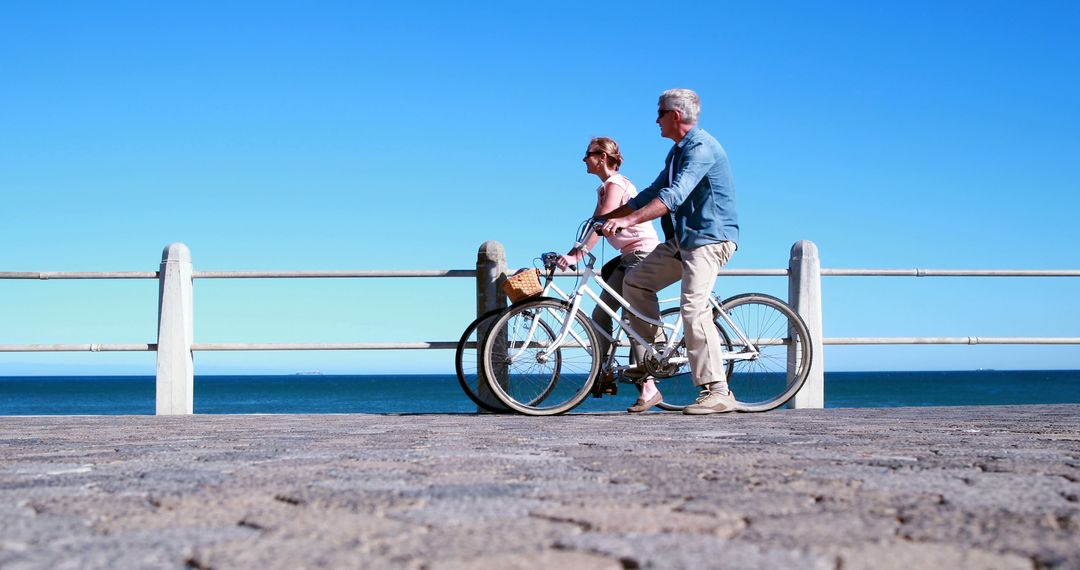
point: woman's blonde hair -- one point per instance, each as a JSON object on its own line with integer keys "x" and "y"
{"x": 609, "y": 146}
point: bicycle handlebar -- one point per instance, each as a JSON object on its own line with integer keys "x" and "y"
{"x": 598, "y": 225}
{"x": 590, "y": 226}
{"x": 550, "y": 260}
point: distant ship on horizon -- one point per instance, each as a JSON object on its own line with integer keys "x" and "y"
{"x": 309, "y": 373}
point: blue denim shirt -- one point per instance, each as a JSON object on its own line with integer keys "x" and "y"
{"x": 701, "y": 196}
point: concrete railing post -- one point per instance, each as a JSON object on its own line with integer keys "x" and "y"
{"x": 175, "y": 368}
{"x": 490, "y": 271}
{"x": 804, "y": 294}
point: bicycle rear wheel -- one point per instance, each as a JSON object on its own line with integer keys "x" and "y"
{"x": 525, "y": 374}
{"x": 771, "y": 377}
{"x": 679, "y": 390}
{"x": 467, "y": 363}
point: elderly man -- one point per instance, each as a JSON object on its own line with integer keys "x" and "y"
{"x": 695, "y": 189}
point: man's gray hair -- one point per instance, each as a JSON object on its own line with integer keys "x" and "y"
{"x": 684, "y": 101}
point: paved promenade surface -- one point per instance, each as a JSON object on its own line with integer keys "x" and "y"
{"x": 989, "y": 487}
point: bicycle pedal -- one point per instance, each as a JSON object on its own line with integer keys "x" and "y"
{"x": 605, "y": 384}
{"x": 599, "y": 390}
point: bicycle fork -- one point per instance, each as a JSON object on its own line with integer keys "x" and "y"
{"x": 556, "y": 343}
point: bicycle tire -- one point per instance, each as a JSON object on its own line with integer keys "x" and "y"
{"x": 766, "y": 381}
{"x": 467, "y": 364}
{"x": 679, "y": 390}
{"x": 525, "y": 378}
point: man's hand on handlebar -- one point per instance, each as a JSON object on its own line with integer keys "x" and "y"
{"x": 613, "y": 226}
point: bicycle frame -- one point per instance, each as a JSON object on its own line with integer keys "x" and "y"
{"x": 673, "y": 331}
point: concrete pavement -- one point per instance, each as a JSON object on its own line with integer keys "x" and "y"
{"x": 976, "y": 487}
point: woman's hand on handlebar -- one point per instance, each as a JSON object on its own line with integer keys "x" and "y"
{"x": 569, "y": 259}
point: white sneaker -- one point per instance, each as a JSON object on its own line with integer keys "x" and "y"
{"x": 710, "y": 402}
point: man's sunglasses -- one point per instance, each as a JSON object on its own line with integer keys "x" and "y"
{"x": 660, "y": 114}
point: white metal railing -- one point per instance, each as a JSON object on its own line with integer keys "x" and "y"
{"x": 970, "y": 340}
{"x": 951, "y": 272}
{"x": 47, "y": 275}
{"x": 77, "y": 347}
{"x": 176, "y": 344}
{"x": 850, "y": 341}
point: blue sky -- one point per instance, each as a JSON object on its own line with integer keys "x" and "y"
{"x": 270, "y": 135}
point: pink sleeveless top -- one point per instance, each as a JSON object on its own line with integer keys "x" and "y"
{"x": 638, "y": 237}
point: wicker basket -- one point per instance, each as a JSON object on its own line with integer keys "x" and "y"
{"x": 522, "y": 285}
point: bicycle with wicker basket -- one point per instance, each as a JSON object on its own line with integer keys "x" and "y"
{"x": 540, "y": 356}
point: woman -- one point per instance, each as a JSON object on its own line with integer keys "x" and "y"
{"x": 602, "y": 159}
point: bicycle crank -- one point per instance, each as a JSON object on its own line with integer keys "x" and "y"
{"x": 660, "y": 368}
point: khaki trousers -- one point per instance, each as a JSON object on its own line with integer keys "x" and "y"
{"x": 697, "y": 269}
{"x": 615, "y": 280}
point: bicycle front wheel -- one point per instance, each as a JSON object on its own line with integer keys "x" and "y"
{"x": 527, "y": 371}
{"x": 770, "y": 377}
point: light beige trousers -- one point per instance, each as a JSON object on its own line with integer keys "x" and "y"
{"x": 697, "y": 269}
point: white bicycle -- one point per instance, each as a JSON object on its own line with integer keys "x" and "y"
{"x": 541, "y": 357}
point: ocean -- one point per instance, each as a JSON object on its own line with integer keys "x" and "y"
{"x": 440, "y": 394}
